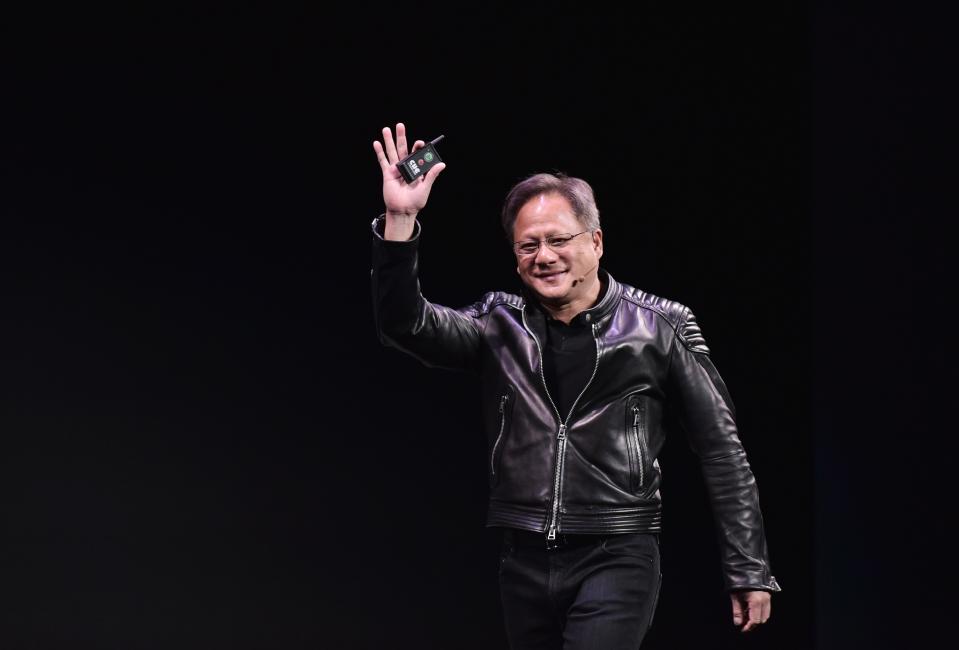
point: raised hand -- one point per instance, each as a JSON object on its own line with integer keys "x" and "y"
{"x": 403, "y": 200}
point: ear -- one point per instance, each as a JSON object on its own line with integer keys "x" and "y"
{"x": 598, "y": 243}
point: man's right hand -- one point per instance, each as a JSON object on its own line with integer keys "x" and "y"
{"x": 403, "y": 200}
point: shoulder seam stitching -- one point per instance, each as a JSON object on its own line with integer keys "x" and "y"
{"x": 493, "y": 305}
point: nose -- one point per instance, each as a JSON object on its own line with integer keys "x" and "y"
{"x": 545, "y": 254}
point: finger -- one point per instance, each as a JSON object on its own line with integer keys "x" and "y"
{"x": 755, "y": 615}
{"x": 390, "y": 147}
{"x": 419, "y": 144}
{"x": 401, "y": 149}
{"x": 737, "y": 610}
{"x": 381, "y": 155}
{"x": 767, "y": 610}
{"x": 433, "y": 173}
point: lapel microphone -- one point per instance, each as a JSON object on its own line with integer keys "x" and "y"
{"x": 582, "y": 278}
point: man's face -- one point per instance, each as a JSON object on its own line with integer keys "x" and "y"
{"x": 563, "y": 275}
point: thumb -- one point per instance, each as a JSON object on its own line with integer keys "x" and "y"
{"x": 433, "y": 173}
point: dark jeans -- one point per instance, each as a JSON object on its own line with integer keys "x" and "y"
{"x": 595, "y": 593}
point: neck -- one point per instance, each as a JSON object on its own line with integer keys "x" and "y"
{"x": 567, "y": 311}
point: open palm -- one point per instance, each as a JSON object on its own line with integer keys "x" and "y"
{"x": 400, "y": 197}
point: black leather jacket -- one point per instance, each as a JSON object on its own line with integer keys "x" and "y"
{"x": 595, "y": 469}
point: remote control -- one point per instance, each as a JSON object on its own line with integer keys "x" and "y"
{"x": 420, "y": 161}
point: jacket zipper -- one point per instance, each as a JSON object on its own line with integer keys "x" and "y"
{"x": 640, "y": 444}
{"x": 561, "y": 434}
{"x": 502, "y": 427}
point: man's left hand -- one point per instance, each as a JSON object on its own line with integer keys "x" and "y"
{"x": 751, "y": 608}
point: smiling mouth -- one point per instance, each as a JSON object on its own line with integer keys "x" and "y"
{"x": 547, "y": 276}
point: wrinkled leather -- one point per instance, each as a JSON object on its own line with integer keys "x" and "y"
{"x": 651, "y": 356}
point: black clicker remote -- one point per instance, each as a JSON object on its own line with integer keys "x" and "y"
{"x": 420, "y": 161}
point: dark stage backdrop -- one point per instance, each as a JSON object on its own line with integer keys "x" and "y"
{"x": 203, "y": 443}
{"x": 884, "y": 277}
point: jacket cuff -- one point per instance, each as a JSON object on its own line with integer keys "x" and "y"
{"x": 379, "y": 227}
{"x": 767, "y": 585}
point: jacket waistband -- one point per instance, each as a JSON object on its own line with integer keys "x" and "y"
{"x": 599, "y": 521}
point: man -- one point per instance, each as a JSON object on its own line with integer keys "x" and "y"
{"x": 578, "y": 375}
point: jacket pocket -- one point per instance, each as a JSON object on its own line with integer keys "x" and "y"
{"x": 636, "y": 443}
{"x": 505, "y": 412}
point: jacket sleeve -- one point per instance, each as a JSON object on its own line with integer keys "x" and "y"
{"x": 437, "y": 336}
{"x": 708, "y": 416}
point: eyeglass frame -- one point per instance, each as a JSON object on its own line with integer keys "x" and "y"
{"x": 540, "y": 242}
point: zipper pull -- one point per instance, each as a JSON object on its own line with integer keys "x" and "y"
{"x": 502, "y": 402}
{"x": 562, "y": 433}
{"x": 551, "y": 534}
{"x": 635, "y": 416}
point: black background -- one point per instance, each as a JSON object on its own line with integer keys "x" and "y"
{"x": 205, "y": 446}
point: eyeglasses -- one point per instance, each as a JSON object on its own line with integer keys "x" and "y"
{"x": 555, "y": 242}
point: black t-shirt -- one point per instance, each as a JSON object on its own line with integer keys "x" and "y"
{"x": 569, "y": 358}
